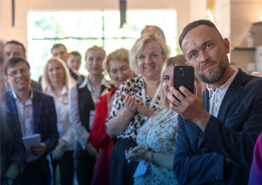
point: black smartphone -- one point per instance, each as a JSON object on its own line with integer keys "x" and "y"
{"x": 184, "y": 76}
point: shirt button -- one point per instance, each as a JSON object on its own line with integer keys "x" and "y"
{"x": 216, "y": 110}
{"x": 217, "y": 100}
{"x": 217, "y": 90}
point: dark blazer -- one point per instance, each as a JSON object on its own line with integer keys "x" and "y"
{"x": 12, "y": 145}
{"x": 199, "y": 156}
{"x": 44, "y": 122}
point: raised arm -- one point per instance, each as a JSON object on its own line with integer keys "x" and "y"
{"x": 121, "y": 114}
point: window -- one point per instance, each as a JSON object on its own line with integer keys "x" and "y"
{"x": 83, "y": 29}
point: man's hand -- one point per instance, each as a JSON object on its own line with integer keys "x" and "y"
{"x": 91, "y": 150}
{"x": 189, "y": 106}
{"x": 38, "y": 150}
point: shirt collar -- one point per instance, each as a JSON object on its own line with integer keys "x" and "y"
{"x": 86, "y": 81}
{"x": 226, "y": 85}
{"x": 50, "y": 92}
{"x": 16, "y": 98}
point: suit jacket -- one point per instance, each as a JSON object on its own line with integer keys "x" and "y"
{"x": 14, "y": 149}
{"x": 44, "y": 123}
{"x": 199, "y": 156}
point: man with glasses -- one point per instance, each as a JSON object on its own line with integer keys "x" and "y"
{"x": 16, "y": 49}
{"x": 35, "y": 113}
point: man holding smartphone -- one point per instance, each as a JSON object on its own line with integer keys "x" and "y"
{"x": 217, "y": 129}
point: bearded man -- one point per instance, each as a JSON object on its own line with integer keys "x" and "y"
{"x": 217, "y": 129}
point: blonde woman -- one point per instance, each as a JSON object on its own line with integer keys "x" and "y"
{"x": 82, "y": 99}
{"x": 157, "y": 138}
{"x": 128, "y": 115}
{"x": 56, "y": 82}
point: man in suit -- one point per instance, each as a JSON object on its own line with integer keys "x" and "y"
{"x": 13, "y": 154}
{"x": 16, "y": 49}
{"x": 217, "y": 129}
{"x": 35, "y": 113}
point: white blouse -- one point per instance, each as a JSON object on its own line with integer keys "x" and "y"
{"x": 62, "y": 111}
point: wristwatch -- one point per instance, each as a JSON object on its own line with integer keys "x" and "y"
{"x": 8, "y": 180}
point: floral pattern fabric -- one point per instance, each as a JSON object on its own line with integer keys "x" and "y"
{"x": 159, "y": 134}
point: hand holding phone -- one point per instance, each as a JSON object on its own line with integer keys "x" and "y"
{"x": 184, "y": 76}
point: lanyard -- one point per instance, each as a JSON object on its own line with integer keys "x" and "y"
{"x": 154, "y": 98}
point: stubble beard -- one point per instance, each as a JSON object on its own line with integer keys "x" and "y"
{"x": 214, "y": 76}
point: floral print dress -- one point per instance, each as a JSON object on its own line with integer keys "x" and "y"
{"x": 159, "y": 134}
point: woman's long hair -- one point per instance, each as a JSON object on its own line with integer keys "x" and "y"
{"x": 68, "y": 80}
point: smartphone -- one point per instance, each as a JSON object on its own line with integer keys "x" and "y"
{"x": 184, "y": 76}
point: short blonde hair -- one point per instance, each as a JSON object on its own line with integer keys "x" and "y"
{"x": 138, "y": 47}
{"x": 95, "y": 48}
{"x": 68, "y": 81}
{"x": 119, "y": 54}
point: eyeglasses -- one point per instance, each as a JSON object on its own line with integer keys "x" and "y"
{"x": 15, "y": 73}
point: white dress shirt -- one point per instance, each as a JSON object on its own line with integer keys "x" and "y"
{"x": 81, "y": 133}
{"x": 25, "y": 114}
{"x": 216, "y": 95}
{"x": 62, "y": 111}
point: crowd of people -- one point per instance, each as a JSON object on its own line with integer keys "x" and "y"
{"x": 135, "y": 128}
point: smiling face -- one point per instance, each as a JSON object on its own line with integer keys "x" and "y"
{"x": 94, "y": 60}
{"x": 150, "y": 61}
{"x": 55, "y": 72}
{"x": 18, "y": 77}
{"x": 206, "y": 51}
{"x": 74, "y": 61}
{"x": 167, "y": 80}
{"x": 119, "y": 71}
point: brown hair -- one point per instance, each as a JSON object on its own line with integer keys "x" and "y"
{"x": 194, "y": 24}
{"x": 75, "y": 53}
{"x": 11, "y": 62}
{"x": 16, "y": 43}
{"x": 56, "y": 46}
